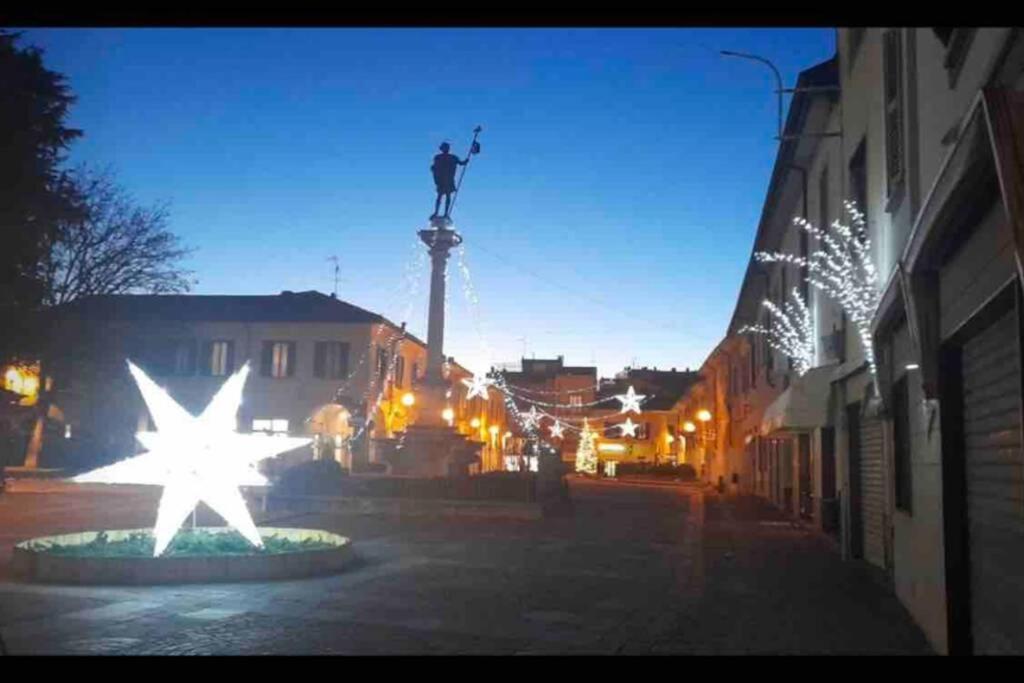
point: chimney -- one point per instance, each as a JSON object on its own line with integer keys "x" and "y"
{"x": 403, "y": 326}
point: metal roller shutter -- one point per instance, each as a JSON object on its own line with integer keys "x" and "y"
{"x": 995, "y": 480}
{"x": 872, "y": 492}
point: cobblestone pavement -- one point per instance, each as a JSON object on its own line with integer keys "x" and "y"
{"x": 635, "y": 569}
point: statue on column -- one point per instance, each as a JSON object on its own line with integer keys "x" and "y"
{"x": 444, "y": 167}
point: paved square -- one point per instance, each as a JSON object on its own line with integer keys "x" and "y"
{"x": 636, "y": 569}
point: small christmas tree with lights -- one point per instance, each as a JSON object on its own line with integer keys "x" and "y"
{"x": 586, "y": 453}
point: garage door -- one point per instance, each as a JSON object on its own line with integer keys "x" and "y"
{"x": 994, "y": 476}
{"x": 872, "y": 491}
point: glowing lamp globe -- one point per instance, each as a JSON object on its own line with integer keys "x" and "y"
{"x": 703, "y": 415}
{"x": 408, "y": 399}
{"x": 475, "y": 423}
{"x": 689, "y": 426}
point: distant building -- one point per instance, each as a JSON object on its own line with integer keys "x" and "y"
{"x": 569, "y": 391}
{"x": 319, "y": 366}
{"x": 659, "y": 437}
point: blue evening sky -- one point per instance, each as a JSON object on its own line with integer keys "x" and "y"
{"x": 609, "y": 217}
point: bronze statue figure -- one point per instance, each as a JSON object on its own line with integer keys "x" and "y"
{"x": 444, "y": 167}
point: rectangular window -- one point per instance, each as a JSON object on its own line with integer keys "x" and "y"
{"x": 859, "y": 179}
{"x": 183, "y": 357}
{"x": 893, "y": 93}
{"x": 901, "y": 444}
{"x": 330, "y": 360}
{"x": 270, "y": 425}
{"x": 823, "y": 207}
{"x": 415, "y": 373}
{"x": 643, "y": 431}
{"x": 278, "y": 359}
{"x": 575, "y": 400}
{"x": 382, "y": 365}
{"x": 399, "y": 371}
{"x": 218, "y": 360}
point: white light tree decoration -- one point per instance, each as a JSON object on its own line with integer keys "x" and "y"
{"x": 586, "y": 453}
{"x": 794, "y": 333}
{"x": 843, "y": 271}
{"x": 196, "y": 459}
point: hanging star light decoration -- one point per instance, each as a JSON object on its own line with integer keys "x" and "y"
{"x": 556, "y": 430}
{"x": 196, "y": 459}
{"x": 628, "y": 428}
{"x": 532, "y": 418}
{"x": 477, "y": 386}
{"x": 631, "y": 400}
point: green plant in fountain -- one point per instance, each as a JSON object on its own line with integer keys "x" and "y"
{"x": 188, "y": 543}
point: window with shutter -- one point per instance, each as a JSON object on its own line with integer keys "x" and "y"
{"x": 267, "y": 358}
{"x": 319, "y": 359}
{"x": 216, "y": 358}
{"x": 399, "y": 371}
{"x": 277, "y": 359}
{"x": 893, "y": 78}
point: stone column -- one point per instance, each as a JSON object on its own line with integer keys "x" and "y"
{"x": 439, "y": 240}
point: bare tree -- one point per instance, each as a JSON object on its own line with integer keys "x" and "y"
{"x": 114, "y": 246}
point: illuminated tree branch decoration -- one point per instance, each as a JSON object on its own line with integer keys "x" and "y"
{"x": 843, "y": 271}
{"x": 794, "y": 333}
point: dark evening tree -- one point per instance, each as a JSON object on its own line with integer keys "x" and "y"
{"x": 34, "y": 195}
{"x": 111, "y": 245}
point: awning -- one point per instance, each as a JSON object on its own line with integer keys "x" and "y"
{"x": 801, "y": 407}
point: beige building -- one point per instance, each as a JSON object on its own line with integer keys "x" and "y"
{"x": 319, "y": 366}
{"x": 919, "y": 466}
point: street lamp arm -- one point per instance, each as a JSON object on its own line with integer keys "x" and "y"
{"x": 778, "y": 77}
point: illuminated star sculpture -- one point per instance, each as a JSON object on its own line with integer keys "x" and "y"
{"x": 628, "y": 428}
{"x": 532, "y": 418}
{"x": 556, "y": 430}
{"x": 477, "y": 386}
{"x": 196, "y": 459}
{"x": 631, "y": 400}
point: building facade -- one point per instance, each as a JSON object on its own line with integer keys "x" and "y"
{"x": 913, "y": 463}
{"x": 318, "y": 366}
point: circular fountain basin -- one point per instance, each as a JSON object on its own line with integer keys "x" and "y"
{"x": 35, "y": 560}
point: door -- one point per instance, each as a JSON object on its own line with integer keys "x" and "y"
{"x": 994, "y": 478}
{"x": 872, "y": 491}
{"x": 856, "y": 510}
{"x": 829, "y": 502}
{"x": 806, "y": 499}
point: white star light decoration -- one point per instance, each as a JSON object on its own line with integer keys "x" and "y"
{"x": 532, "y": 418}
{"x": 631, "y": 400}
{"x": 477, "y": 386}
{"x": 196, "y": 459}
{"x": 628, "y": 428}
{"x": 556, "y": 430}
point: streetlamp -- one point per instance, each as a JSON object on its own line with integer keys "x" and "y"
{"x": 408, "y": 399}
{"x": 778, "y": 79}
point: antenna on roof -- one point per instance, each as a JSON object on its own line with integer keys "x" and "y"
{"x": 334, "y": 292}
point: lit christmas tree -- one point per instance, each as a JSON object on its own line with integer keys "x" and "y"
{"x": 586, "y": 453}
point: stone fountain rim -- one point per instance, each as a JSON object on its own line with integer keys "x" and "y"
{"x": 41, "y": 566}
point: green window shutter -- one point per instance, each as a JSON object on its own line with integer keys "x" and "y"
{"x": 266, "y": 358}
{"x": 229, "y": 365}
{"x": 342, "y": 361}
{"x": 319, "y": 358}
{"x": 206, "y": 362}
{"x": 292, "y": 359}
